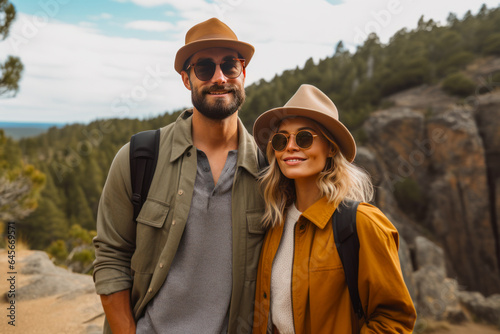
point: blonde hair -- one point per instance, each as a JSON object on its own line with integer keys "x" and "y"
{"x": 339, "y": 179}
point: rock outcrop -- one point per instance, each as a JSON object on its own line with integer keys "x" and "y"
{"x": 52, "y": 299}
{"x": 436, "y": 177}
{"x": 435, "y": 161}
{"x": 46, "y": 279}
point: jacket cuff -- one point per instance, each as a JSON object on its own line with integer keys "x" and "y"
{"x": 109, "y": 281}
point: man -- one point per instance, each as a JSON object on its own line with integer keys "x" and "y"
{"x": 189, "y": 263}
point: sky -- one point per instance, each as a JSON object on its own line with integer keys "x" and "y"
{"x": 96, "y": 59}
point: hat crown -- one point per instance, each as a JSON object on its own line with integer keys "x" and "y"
{"x": 310, "y": 97}
{"x": 210, "y": 29}
{"x": 211, "y": 33}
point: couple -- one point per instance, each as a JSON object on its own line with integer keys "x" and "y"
{"x": 224, "y": 246}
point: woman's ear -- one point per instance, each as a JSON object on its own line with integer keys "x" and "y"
{"x": 333, "y": 151}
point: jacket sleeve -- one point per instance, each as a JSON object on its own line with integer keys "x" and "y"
{"x": 383, "y": 292}
{"x": 116, "y": 229}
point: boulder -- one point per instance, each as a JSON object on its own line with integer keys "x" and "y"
{"x": 486, "y": 310}
{"x": 45, "y": 279}
{"x": 407, "y": 268}
{"x": 428, "y": 254}
{"x": 437, "y": 295}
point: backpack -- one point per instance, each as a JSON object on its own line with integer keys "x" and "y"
{"x": 347, "y": 243}
{"x": 144, "y": 147}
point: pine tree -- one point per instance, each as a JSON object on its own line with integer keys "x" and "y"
{"x": 11, "y": 70}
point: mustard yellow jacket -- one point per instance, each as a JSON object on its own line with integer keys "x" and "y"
{"x": 320, "y": 297}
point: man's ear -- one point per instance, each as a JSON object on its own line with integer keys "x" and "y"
{"x": 185, "y": 79}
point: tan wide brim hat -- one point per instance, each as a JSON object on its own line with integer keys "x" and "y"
{"x": 312, "y": 103}
{"x": 212, "y": 33}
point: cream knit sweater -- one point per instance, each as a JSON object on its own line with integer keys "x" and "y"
{"x": 281, "y": 276}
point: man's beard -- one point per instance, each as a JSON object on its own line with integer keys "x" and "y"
{"x": 219, "y": 109}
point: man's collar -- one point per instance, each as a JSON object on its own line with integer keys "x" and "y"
{"x": 247, "y": 150}
{"x": 183, "y": 141}
{"x": 182, "y": 136}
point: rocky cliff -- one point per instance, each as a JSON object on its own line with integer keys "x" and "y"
{"x": 435, "y": 160}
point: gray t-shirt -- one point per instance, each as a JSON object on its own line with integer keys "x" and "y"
{"x": 196, "y": 294}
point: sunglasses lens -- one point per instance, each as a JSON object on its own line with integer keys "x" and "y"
{"x": 204, "y": 70}
{"x": 304, "y": 139}
{"x": 231, "y": 68}
{"x": 279, "y": 142}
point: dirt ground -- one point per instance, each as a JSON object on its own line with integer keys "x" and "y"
{"x": 83, "y": 314}
{"x": 468, "y": 328}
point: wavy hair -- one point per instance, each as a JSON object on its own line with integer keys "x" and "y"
{"x": 339, "y": 179}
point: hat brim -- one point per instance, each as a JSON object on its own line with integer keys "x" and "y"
{"x": 266, "y": 125}
{"x": 246, "y": 50}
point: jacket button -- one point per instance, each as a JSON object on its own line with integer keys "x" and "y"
{"x": 188, "y": 154}
{"x": 150, "y": 290}
{"x": 265, "y": 295}
{"x": 181, "y": 192}
{"x": 302, "y": 227}
{"x": 161, "y": 265}
{"x": 173, "y": 222}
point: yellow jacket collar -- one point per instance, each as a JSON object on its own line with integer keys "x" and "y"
{"x": 320, "y": 212}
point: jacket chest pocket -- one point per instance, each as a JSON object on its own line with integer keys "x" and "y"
{"x": 324, "y": 254}
{"x": 151, "y": 235}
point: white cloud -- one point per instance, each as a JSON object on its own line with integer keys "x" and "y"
{"x": 102, "y": 16}
{"x": 150, "y": 25}
{"x": 88, "y": 25}
{"x": 73, "y": 74}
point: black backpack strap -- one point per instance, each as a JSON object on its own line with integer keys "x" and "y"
{"x": 144, "y": 147}
{"x": 347, "y": 242}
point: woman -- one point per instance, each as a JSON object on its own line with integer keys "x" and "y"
{"x": 301, "y": 287}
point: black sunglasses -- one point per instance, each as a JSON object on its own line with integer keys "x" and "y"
{"x": 303, "y": 138}
{"x": 205, "y": 69}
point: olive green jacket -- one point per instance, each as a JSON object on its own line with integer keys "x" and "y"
{"x": 138, "y": 256}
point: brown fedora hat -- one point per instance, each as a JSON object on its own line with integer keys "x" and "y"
{"x": 312, "y": 103}
{"x": 212, "y": 33}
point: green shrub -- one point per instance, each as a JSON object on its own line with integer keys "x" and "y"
{"x": 80, "y": 236}
{"x": 458, "y": 84}
{"x": 85, "y": 256}
{"x": 455, "y": 62}
{"x": 58, "y": 250}
{"x": 491, "y": 45}
{"x": 494, "y": 80}
{"x": 410, "y": 198}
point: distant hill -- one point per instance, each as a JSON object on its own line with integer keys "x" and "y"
{"x": 18, "y": 130}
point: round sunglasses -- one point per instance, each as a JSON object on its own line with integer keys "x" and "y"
{"x": 303, "y": 139}
{"x": 205, "y": 69}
